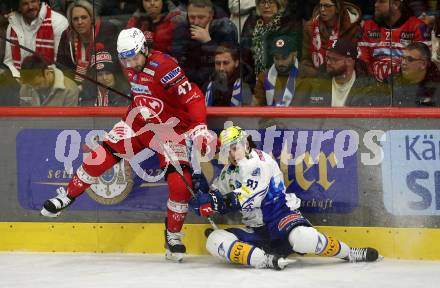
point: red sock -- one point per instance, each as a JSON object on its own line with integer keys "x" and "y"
{"x": 178, "y": 200}
{"x": 89, "y": 170}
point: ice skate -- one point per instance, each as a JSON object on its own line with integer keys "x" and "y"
{"x": 174, "y": 248}
{"x": 54, "y": 206}
{"x": 362, "y": 255}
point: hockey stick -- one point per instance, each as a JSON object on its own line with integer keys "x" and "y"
{"x": 180, "y": 173}
{"x": 64, "y": 66}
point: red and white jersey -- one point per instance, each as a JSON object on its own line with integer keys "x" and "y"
{"x": 162, "y": 91}
{"x": 381, "y": 48}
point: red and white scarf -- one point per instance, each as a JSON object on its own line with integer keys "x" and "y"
{"x": 44, "y": 41}
{"x": 83, "y": 54}
{"x": 319, "y": 45}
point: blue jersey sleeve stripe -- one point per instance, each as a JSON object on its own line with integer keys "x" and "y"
{"x": 249, "y": 256}
{"x": 229, "y": 250}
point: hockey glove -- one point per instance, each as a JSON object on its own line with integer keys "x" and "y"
{"x": 200, "y": 184}
{"x": 202, "y": 138}
{"x": 205, "y": 204}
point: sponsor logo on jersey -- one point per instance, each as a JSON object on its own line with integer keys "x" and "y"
{"x": 149, "y": 72}
{"x": 154, "y": 64}
{"x": 113, "y": 186}
{"x": 406, "y": 35}
{"x": 170, "y": 75}
{"x": 154, "y": 105}
{"x": 256, "y": 172}
{"x": 291, "y": 218}
{"x": 373, "y": 34}
{"x": 140, "y": 89}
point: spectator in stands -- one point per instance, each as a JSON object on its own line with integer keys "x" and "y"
{"x": 220, "y": 7}
{"x": 80, "y": 41}
{"x": 35, "y": 26}
{"x": 256, "y": 31}
{"x": 109, "y": 74}
{"x": 332, "y": 20}
{"x": 392, "y": 26}
{"x": 203, "y": 35}
{"x": 3, "y": 26}
{"x": 276, "y": 86}
{"x": 240, "y": 11}
{"x": 9, "y": 87}
{"x": 418, "y": 81}
{"x": 341, "y": 85}
{"x": 160, "y": 17}
{"x": 226, "y": 87}
{"x": 45, "y": 85}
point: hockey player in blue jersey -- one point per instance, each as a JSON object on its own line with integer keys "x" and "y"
{"x": 252, "y": 183}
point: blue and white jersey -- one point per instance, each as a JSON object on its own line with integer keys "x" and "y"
{"x": 259, "y": 183}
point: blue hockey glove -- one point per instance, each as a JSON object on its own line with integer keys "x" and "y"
{"x": 199, "y": 182}
{"x": 205, "y": 204}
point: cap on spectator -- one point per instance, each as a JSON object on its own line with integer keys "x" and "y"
{"x": 345, "y": 48}
{"x": 283, "y": 45}
{"x": 104, "y": 62}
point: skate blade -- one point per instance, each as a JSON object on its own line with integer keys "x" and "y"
{"x": 175, "y": 257}
{"x": 284, "y": 262}
{"x": 46, "y": 213}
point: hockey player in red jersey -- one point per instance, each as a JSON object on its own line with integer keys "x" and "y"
{"x": 385, "y": 37}
{"x": 166, "y": 112}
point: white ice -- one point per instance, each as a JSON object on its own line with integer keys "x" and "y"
{"x": 65, "y": 270}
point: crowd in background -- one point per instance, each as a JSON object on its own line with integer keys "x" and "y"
{"x": 239, "y": 52}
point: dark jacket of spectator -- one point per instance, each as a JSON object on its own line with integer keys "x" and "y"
{"x": 198, "y": 58}
{"x": 364, "y": 92}
{"x": 233, "y": 93}
{"x": 9, "y": 88}
{"x": 423, "y": 94}
{"x": 110, "y": 74}
{"x": 317, "y": 38}
{"x": 164, "y": 31}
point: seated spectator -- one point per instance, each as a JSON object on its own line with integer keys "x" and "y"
{"x": 240, "y": 11}
{"x": 270, "y": 21}
{"x": 109, "y": 74}
{"x": 335, "y": 19}
{"x": 9, "y": 87}
{"x": 342, "y": 85}
{"x": 220, "y": 7}
{"x": 203, "y": 35}
{"x": 3, "y": 26}
{"x": 160, "y": 17}
{"x": 276, "y": 86}
{"x": 81, "y": 39}
{"x": 226, "y": 87}
{"x": 33, "y": 25}
{"x": 417, "y": 84}
{"x": 45, "y": 85}
{"x": 385, "y": 37}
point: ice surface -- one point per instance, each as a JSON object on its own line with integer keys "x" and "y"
{"x": 78, "y": 270}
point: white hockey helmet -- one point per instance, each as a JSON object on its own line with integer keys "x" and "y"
{"x": 131, "y": 42}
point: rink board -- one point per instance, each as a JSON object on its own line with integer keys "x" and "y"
{"x": 401, "y": 243}
{"x": 393, "y": 205}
